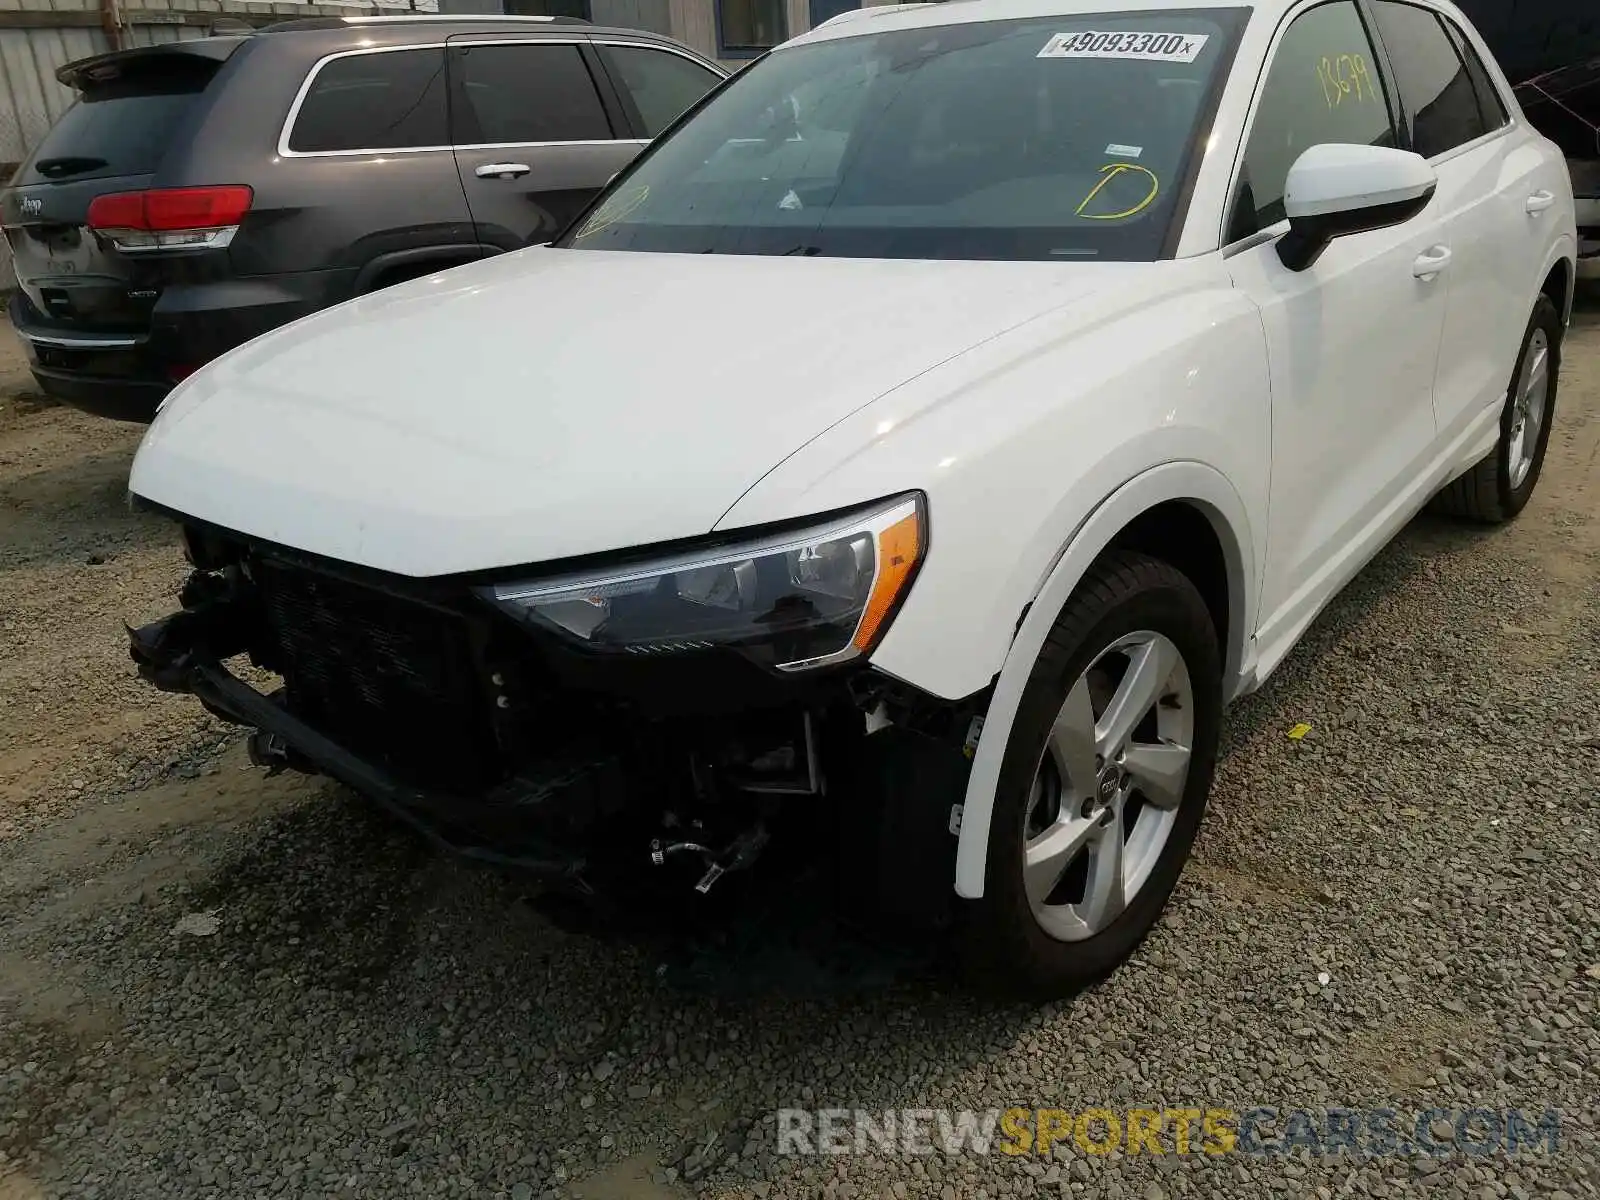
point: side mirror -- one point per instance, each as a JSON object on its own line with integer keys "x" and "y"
{"x": 1335, "y": 190}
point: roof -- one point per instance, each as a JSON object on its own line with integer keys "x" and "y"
{"x": 398, "y": 29}
{"x": 402, "y": 28}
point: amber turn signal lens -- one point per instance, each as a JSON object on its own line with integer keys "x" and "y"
{"x": 899, "y": 550}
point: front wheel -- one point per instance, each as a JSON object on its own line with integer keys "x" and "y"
{"x": 1498, "y": 488}
{"x": 1103, "y": 785}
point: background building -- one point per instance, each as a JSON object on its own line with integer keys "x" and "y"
{"x": 731, "y": 31}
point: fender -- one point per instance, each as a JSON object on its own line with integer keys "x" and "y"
{"x": 446, "y": 255}
{"x": 1194, "y": 482}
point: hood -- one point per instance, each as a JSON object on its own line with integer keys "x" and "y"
{"x": 553, "y": 403}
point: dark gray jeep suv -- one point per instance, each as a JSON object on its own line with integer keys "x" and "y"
{"x": 200, "y": 193}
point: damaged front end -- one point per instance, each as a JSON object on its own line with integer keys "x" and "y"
{"x": 601, "y": 771}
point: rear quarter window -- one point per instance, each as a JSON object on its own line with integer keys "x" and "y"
{"x": 121, "y": 126}
{"x": 661, "y": 84}
{"x": 387, "y": 100}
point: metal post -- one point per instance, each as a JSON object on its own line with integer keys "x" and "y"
{"x": 111, "y": 23}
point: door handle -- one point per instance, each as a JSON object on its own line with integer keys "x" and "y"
{"x": 1430, "y": 262}
{"x": 1539, "y": 201}
{"x": 501, "y": 170}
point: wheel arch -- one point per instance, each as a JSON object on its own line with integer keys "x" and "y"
{"x": 1559, "y": 277}
{"x": 1197, "y": 539}
{"x": 397, "y": 266}
{"x": 1186, "y": 513}
{"x": 1560, "y": 284}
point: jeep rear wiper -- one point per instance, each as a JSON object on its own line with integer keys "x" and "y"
{"x": 68, "y": 164}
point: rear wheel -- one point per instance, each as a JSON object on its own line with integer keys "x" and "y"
{"x": 1498, "y": 488}
{"x": 1103, "y": 785}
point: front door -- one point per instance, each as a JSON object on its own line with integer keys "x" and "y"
{"x": 533, "y": 141}
{"x": 1352, "y": 341}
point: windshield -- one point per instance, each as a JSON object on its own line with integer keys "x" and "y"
{"x": 1062, "y": 137}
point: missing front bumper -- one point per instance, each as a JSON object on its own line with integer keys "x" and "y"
{"x": 182, "y": 653}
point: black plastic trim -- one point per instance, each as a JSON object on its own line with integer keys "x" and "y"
{"x": 1308, "y": 237}
{"x": 1388, "y": 76}
{"x": 618, "y": 106}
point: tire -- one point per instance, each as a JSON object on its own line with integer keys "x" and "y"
{"x": 1498, "y": 487}
{"x": 1004, "y": 943}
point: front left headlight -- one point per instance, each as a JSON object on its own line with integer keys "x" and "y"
{"x": 793, "y": 600}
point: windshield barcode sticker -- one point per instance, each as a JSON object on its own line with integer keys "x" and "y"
{"x": 1157, "y": 47}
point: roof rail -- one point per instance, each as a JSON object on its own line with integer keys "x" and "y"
{"x": 301, "y": 24}
{"x": 459, "y": 18}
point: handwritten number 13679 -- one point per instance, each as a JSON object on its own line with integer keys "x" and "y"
{"x": 1345, "y": 77}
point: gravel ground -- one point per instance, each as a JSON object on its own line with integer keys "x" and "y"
{"x": 213, "y": 984}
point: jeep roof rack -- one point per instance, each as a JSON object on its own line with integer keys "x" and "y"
{"x": 294, "y": 23}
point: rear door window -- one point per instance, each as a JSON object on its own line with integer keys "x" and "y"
{"x": 518, "y": 93}
{"x": 121, "y": 126}
{"x": 1495, "y": 115}
{"x": 661, "y": 84}
{"x": 391, "y": 100}
{"x": 1434, "y": 85}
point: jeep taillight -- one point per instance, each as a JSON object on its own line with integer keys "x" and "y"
{"x": 171, "y": 218}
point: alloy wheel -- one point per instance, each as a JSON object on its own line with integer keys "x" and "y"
{"x": 1108, "y": 786}
{"x": 1528, "y": 407}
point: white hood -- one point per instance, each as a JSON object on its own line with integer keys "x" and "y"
{"x": 553, "y": 403}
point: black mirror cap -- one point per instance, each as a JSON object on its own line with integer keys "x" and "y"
{"x": 1308, "y": 237}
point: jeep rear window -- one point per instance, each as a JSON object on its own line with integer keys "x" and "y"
{"x": 121, "y": 126}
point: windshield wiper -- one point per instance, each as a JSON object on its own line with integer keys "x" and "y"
{"x": 805, "y": 251}
{"x": 67, "y": 164}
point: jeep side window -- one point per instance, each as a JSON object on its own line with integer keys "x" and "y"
{"x": 661, "y": 83}
{"x": 390, "y": 100}
{"x": 518, "y": 93}
{"x": 1323, "y": 86}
